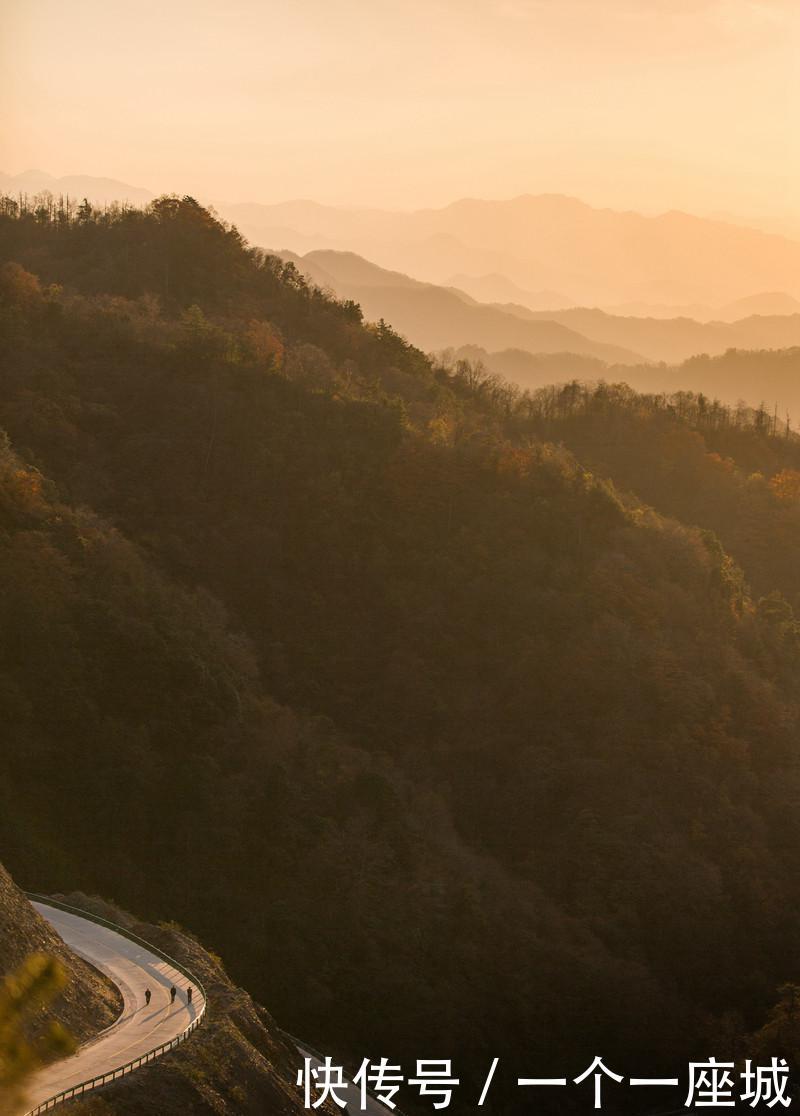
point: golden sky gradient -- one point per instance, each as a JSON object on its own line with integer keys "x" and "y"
{"x": 648, "y": 104}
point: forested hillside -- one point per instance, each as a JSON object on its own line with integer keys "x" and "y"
{"x": 766, "y": 377}
{"x": 448, "y": 746}
{"x": 735, "y": 471}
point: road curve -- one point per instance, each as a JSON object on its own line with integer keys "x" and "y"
{"x": 140, "y": 1027}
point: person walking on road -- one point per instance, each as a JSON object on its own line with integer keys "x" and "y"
{"x": 173, "y": 992}
{"x": 147, "y": 995}
{"x": 189, "y": 992}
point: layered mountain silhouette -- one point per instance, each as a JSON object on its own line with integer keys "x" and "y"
{"x": 551, "y": 242}
{"x": 498, "y": 288}
{"x": 675, "y": 339}
{"x": 544, "y": 252}
{"x": 435, "y": 318}
{"x": 764, "y": 302}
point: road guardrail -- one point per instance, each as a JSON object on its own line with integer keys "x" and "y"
{"x": 106, "y": 1078}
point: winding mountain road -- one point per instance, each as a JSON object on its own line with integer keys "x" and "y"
{"x": 140, "y": 1028}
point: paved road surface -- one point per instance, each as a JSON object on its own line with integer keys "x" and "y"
{"x": 139, "y": 1028}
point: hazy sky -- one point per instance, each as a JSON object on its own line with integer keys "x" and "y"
{"x": 637, "y": 103}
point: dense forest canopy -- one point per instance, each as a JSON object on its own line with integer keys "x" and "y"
{"x": 734, "y": 470}
{"x": 454, "y": 742}
{"x": 765, "y": 376}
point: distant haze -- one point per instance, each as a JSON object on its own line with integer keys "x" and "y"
{"x": 549, "y": 244}
{"x": 536, "y": 253}
{"x": 646, "y": 104}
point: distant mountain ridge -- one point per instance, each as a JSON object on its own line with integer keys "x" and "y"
{"x": 437, "y": 318}
{"x": 766, "y": 303}
{"x": 434, "y": 317}
{"x": 100, "y": 190}
{"x": 547, "y": 243}
{"x": 551, "y": 242}
{"x": 677, "y": 339}
{"x": 488, "y": 308}
{"x": 500, "y": 289}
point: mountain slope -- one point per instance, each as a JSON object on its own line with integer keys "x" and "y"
{"x": 766, "y": 303}
{"x": 88, "y": 1002}
{"x": 417, "y": 709}
{"x": 437, "y": 318}
{"x": 675, "y": 340}
{"x": 433, "y": 318}
{"x": 236, "y": 1064}
{"x": 767, "y": 378}
{"x": 733, "y": 472}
